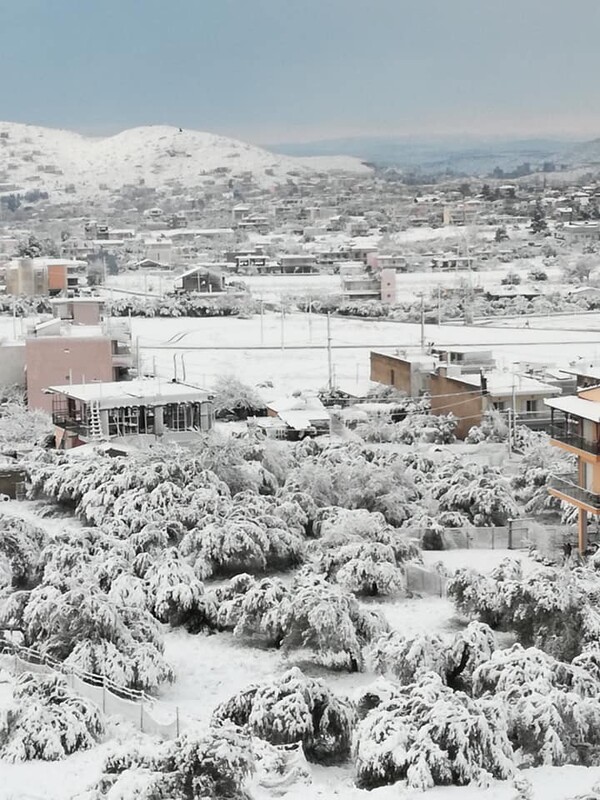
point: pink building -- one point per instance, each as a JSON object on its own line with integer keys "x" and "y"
{"x": 77, "y": 346}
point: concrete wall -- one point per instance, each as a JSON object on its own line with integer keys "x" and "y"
{"x": 12, "y": 365}
{"x": 391, "y": 371}
{"x": 388, "y": 286}
{"x": 468, "y": 405}
{"x": 52, "y": 360}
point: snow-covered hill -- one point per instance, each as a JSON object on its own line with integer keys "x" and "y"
{"x": 51, "y": 160}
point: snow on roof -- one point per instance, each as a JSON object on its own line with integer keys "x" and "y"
{"x": 151, "y": 391}
{"x": 301, "y": 420}
{"x": 502, "y": 383}
{"x": 586, "y": 409}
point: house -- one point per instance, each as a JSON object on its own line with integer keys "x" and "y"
{"x": 77, "y": 345}
{"x": 587, "y": 374}
{"x": 359, "y": 283}
{"x": 202, "y": 279}
{"x": 291, "y": 264}
{"x": 469, "y": 395}
{"x": 575, "y": 428}
{"x": 142, "y": 412}
{"x": 407, "y": 373}
{"x": 45, "y": 276}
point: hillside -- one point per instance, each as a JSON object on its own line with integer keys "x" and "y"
{"x": 52, "y": 160}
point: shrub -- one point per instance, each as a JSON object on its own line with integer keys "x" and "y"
{"x": 294, "y": 708}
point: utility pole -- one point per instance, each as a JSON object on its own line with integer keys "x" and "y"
{"x": 422, "y": 324}
{"x": 282, "y": 327}
{"x": 262, "y": 322}
{"x": 439, "y": 294}
{"x": 329, "y": 361}
{"x": 310, "y": 319}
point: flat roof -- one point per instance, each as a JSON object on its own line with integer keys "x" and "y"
{"x": 586, "y": 409}
{"x": 130, "y": 393}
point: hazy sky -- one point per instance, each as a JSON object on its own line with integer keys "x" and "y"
{"x": 290, "y": 70}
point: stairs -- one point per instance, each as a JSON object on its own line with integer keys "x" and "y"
{"x": 95, "y": 425}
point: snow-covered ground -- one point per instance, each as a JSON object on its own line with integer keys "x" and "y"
{"x": 292, "y": 353}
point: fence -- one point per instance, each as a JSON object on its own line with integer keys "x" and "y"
{"x": 519, "y": 534}
{"x": 148, "y": 714}
{"x": 421, "y": 580}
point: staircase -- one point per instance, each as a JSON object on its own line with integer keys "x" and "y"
{"x": 95, "y": 425}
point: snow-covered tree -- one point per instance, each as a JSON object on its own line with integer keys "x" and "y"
{"x": 21, "y": 544}
{"x": 47, "y": 721}
{"x": 175, "y": 595}
{"x": 405, "y": 658}
{"x": 481, "y": 493}
{"x": 329, "y": 622}
{"x": 294, "y": 708}
{"x": 232, "y": 398}
{"x": 22, "y": 427}
{"x": 552, "y": 709}
{"x": 215, "y": 766}
{"x": 429, "y": 735}
{"x": 253, "y": 608}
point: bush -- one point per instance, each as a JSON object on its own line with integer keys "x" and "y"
{"x": 294, "y": 708}
{"x": 213, "y": 767}
{"x": 425, "y": 734}
{"x": 47, "y": 721}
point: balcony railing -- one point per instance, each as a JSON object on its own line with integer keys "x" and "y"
{"x": 568, "y": 485}
{"x": 567, "y": 437}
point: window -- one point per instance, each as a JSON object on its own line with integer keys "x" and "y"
{"x": 500, "y": 405}
{"x": 531, "y": 406}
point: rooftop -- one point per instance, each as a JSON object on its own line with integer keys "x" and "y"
{"x": 145, "y": 391}
{"x": 578, "y": 406}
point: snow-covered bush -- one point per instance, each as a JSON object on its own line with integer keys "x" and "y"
{"x": 232, "y": 398}
{"x": 294, "y": 708}
{"x": 429, "y": 735}
{"x": 47, "y": 721}
{"x": 228, "y": 546}
{"x": 86, "y": 629}
{"x": 175, "y": 595}
{"x": 480, "y": 493}
{"x": 539, "y": 462}
{"x": 352, "y": 477}
{"x": 553, "y": 609}
{"x": 214, "y": 767}
{"x": 21, "y": 544}
{"x": 329, "y": 622}
{"x": 552, "y": 708}
{"x": 492, "y": 428}
{"x": 366, "y": 569}
{"x": 22, "y": 427}
{"x": 311, "y": 615}
{"x": 406, "y": 658}
{"x": 338, "y": 527}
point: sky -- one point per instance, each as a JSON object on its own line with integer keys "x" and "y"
{"x": 271, "y": 71}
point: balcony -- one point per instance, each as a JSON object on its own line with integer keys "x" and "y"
{"x": 568, "y": 485}
{"x": 562, "y": 434}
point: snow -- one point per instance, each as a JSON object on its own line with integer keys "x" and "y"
{"x": 253, "y": 351}
{"x": 157, "y": 154}
{"x": 210, "y": 669}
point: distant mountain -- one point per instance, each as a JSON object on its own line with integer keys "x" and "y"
{"x": 468, "y": 155}
{"x": 584, "y": 154}
{"x": 54, "y": 160}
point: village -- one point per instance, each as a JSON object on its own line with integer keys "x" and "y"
{"x": 299, "y": 473}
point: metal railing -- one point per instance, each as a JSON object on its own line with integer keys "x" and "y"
{"x": 561, "y": 434}
{"x": 568, "y": 485}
